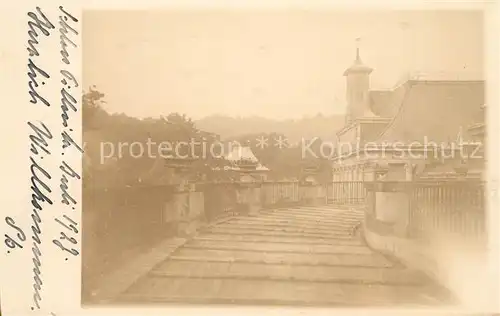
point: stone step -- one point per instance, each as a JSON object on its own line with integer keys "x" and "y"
{"x": 372, "y": 260}
{"x": 249, "y": 271}
{"x": 277, "y": 247}
{"x": 290, "y": 222}
{"x": 279, "y": 239}
{"x": 271, "y": 292}
{"x": 331, "y": 232}
{"x": 316, "y": 213}
{"x": 333, "y": 208}
{"x": 263, "y": 232}
{"x": 291, "y": 216}
{"x": 323, "y": 211}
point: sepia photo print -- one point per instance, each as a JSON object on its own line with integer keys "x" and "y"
{"x": 284, "y": 157}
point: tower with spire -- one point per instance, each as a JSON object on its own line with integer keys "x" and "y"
{"x": 361, "y": 123}
{"x": 358, "y": 87}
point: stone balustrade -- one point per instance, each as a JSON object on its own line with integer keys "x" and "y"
{"x": 430, "y": 226}
{"x": 121, "y": 219}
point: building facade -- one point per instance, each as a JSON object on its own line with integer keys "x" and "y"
{"x": 426, "y": 126}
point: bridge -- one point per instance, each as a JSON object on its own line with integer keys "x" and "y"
{"x": 299, "y": 254}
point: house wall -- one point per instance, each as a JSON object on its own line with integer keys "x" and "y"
{"x": 350, "y": 169}
{"x": 370, "y": 132}
{"x": 348, "y": 137}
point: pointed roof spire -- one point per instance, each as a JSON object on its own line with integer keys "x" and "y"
{"x": 358, "y": 65}
{"x": 358, "y": 59}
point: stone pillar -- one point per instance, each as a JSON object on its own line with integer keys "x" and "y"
{"x": 181, "y": 207}
{"x": 409, "y": 168}
{"x": 390, "y": 212}
{"x": 361, "y": 175}
{"x": 369, "y": 172}
{"x": 390, "y": 199}
{"x": 249, "y": 195}
{"x": 255, "y": 202}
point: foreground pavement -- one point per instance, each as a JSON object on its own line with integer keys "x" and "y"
{"x": 299, "y": 256}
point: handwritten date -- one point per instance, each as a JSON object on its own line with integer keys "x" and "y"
{"x": 65, "y": 242}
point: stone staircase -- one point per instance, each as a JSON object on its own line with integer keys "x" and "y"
{"x": 298, "y": 256}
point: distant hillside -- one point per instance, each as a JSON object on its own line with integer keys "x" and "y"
{"x": 324, "y": 127}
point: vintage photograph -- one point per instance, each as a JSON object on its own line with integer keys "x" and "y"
{"x": 284, "y": 157}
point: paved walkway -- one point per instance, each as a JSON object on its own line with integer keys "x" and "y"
{"x": 295, "y": 256}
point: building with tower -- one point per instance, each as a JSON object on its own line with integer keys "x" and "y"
{"x": 425, "y": 125}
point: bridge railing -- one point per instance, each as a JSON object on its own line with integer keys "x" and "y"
{"x": 430, "y": 226}
{"x": 449, "y": 207}
{"x": 425, "y": 209}
{"x": 280, "y": 193}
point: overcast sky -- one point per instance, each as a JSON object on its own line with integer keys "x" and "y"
{"x": 278, "y": 64}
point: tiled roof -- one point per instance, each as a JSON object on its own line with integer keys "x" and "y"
{"x": 385, "y": 103}
{"x": 262, "y": 168}
{"x": 379, "y": 101}
{"x": 437, "y": 109}
{"x": 241, "y": 153}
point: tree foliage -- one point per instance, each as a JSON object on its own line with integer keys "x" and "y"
{"x": 122, "y": 149}
{"x": 111, "y": 159}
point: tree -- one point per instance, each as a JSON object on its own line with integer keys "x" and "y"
{"x": 92, "y": 108}
{"x": 121, "y": 129}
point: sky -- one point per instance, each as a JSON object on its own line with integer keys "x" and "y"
{"x": 277, "y": 64}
